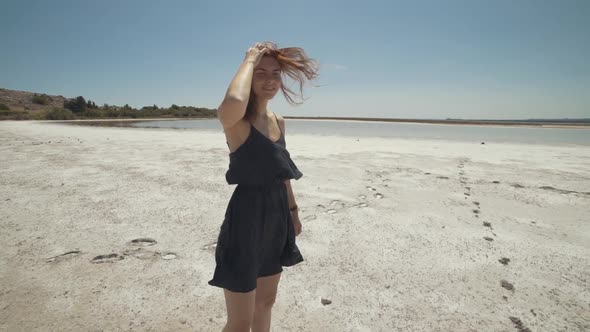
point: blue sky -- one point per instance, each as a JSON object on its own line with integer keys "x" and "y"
{"x": 414, "y": 59}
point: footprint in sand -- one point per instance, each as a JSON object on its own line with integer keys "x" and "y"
{"x": 362, "y": 197}
{"x": 378, "y": 195}
{"x": 520, "y": 327}
{"x": 168, "y": 255}
{"x": 487, "y": 224}
{"x": 336, "y": 204}
{"x": 211, "y": 246}
{"x": 371, "y": 188}
{"x": 361, "y": 205}
{"x": 504, "y": 260}
{"x": 140, "y": 253}
{"x": 310, "y": 217}
{"x": 507, "y": 285}
{"x": 64, "y": 256}
{"x": 108, "y": 258}
{"x": 143, "y": 242}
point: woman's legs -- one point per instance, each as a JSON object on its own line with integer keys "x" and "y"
{"x": 266, "y": 293}
{"x": 240, "y": 310}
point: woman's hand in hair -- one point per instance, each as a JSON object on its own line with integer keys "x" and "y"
{"x": 255, "y": 53}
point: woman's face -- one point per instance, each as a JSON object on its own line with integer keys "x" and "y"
{"x": 266, "y": 80}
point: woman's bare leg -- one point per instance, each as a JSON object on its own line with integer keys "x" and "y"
{"x": 240, "y": 310}
{"x": 266, "y": 294}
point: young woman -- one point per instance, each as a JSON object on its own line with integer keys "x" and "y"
{"x": 257, "y": 236}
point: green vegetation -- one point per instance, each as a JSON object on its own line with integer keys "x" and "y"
{"x": 76, "y": 105}
{"x": 7, "y": 112}
{"x": 59, "y": 114}
{"x": 80, "y": 108}
{"x": 14, "y": 115}
{"x": 41, "y": 99}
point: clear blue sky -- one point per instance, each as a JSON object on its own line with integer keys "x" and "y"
{"x": 413, "y": 59}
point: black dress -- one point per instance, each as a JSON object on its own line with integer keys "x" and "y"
{"x": 257, "y": 236}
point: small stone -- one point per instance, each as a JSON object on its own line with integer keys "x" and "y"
{"x": 326, "y": 301}
{"x": 504, "y": 260}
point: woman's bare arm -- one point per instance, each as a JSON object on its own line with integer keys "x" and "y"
{"x": 233, "y": 107}
{"x": 292, "y": 202}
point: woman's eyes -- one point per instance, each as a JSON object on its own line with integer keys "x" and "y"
{"x": 275, "y": 74}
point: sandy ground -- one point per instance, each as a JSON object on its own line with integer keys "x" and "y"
{"x": 400, "y": 235}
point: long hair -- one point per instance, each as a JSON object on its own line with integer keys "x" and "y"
{"x": 295, "y": 64}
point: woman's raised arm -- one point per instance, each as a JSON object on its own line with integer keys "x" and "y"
{"x": 233, "y": 107}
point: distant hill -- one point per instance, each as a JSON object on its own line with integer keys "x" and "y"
{"x": 29, "y": 101}
{"x": 23, "y": 105}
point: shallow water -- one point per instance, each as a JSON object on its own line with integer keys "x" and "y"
{"x": 470, "y": 133}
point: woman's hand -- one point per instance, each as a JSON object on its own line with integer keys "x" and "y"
{"x": 296, "y": 223}
{"x": 255, "y": 53}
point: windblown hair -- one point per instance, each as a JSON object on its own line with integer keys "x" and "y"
{"x": 294, "y": 64}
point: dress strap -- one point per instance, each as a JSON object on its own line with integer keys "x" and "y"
{"x": 278, "y": 123}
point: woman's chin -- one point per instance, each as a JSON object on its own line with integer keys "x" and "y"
{"x": 268, "y": 94}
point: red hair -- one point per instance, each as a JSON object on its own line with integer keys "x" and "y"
{"x": 295, "y": 64}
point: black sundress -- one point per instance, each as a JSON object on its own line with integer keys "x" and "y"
{"x": 257, "y": 236}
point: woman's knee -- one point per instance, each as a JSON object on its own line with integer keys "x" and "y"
{"x": 265, "y": 303}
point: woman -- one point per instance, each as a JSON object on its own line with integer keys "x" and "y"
{"x": 257, "y": 236}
